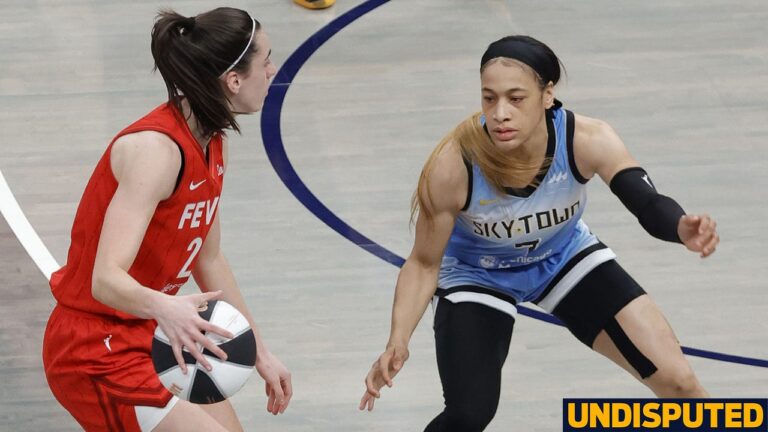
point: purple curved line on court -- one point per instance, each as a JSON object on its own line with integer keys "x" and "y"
{"x": 273, "y": 144}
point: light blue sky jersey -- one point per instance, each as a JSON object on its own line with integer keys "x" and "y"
{"x": 517, "y": 244}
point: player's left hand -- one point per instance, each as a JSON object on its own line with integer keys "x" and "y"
{"x": 698, "y": 234}
{"x": 277, "y": 381}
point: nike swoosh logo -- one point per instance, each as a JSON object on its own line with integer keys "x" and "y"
{"x": 486, "y": 202}
{"x": 645, "y": 177}
{"x": 193, "y": 185}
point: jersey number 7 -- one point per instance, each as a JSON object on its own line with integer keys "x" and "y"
{"x": 531, "y": 245}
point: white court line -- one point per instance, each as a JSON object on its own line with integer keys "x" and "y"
{"x": 20, "y": 226}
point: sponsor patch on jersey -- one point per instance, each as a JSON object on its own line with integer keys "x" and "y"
{"x": 488, "y": 201}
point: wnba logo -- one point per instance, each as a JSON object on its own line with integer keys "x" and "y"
{"x": 664, "y": 414}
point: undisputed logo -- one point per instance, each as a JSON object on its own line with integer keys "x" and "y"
{"x": 635, "y": 415}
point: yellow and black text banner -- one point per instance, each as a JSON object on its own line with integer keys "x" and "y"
{"x": 635, "y": 415}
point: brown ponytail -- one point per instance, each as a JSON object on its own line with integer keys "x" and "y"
{"x": 192, "y": 52}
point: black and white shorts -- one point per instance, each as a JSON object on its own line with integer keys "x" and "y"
{"x": 587, "y": 293}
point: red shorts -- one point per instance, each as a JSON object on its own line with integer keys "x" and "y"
{"x": 100, "y": 368}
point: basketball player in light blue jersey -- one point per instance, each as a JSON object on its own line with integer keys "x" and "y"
{"x": 499, "y": 222}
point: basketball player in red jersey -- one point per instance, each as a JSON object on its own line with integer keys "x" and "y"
{"x": 148, "y": 221}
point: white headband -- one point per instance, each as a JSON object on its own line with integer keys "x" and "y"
{"x": 253, "y": 30}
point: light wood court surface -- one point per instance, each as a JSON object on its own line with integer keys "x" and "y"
{"x": 685, "y": 83}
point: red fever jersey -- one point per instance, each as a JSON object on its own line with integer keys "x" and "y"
{"x": 175, "y": 234}
{"x": 97, "y": 359}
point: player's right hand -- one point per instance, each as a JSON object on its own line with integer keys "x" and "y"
{"x": 382, "y": 372}
{"x": 698, "y": 233}
{"x": 178, "y": 317}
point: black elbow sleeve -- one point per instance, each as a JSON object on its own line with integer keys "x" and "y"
{"x": 658, "y": 214}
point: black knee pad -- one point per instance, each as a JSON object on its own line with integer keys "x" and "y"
{"x": 596, "y": 299}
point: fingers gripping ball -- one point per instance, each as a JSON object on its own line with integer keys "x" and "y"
{"x": 227, "y": 377}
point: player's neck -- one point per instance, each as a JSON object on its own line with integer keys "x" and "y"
{"x": 534, "y": 149}
{"x": 202, "y": 140}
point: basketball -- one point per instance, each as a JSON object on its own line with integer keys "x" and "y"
{"x": 227, "y": 377}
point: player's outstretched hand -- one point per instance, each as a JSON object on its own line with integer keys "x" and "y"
{"x": 698, "y": 234}
{"x": 277, "y": 381}
{"x": 382, "y": 372}
{"x": 178, "y": 317}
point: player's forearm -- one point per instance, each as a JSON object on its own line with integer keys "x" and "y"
{"x": 217, "y": 275}
{"x": 115, "y": 288}
{"x": 416, "y": 285}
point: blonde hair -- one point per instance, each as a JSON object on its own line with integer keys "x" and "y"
{"x": 476, "y": 147}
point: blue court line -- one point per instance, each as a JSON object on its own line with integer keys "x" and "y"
{"x": 273, "y": 144}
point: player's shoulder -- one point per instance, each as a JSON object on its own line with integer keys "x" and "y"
{"x": 594, "y": 138}
{"x": 148, "y": 138}
{"x": 146, "y": 145}
{"x": 449, "y": 167}
{"x": 447, "y": 178}
{"x": 146, "y": 156}
{"x": 589, "y": 129}
{"x": 596, "y": 144}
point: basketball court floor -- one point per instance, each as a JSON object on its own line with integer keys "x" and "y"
{"x": 684, "y": 82}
